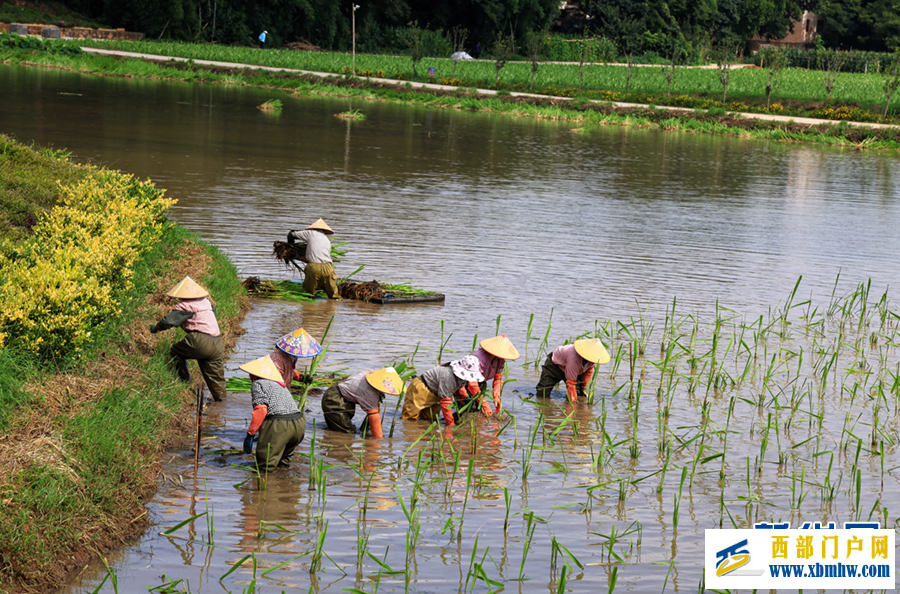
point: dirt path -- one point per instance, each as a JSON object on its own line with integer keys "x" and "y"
{"x": 437, "y": 87}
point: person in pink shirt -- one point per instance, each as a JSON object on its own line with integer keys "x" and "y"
{"x": 196, "y": 315}
{"x": 572, "y": 364}
{"x": 492, "y": 358}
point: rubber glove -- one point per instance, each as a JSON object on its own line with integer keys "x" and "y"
{"x": 474, "y": 388}
{"x": 498, "y": 388}
{"x": 373, "y": 419}
{"x": 296, "y": 377}
{"x": 486, "y": 408}
{"x": 570, "y": 388}
{"x": 153, "y": 329}
{"x": 447, "y": 412}
{"x": 248, "y": 443}
{"x": 586, "y": 377}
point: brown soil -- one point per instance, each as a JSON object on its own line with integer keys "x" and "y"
{"x": 302, "y": 45}
{"x": 33, "y": 439}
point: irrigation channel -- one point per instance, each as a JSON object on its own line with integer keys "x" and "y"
{"x": 734, "y": 395}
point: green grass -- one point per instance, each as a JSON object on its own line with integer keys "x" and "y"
{"x": 29, "y": 185}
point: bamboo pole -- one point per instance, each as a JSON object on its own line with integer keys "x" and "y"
{"x": 199, "y": 425}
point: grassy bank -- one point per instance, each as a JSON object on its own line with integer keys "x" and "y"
{"x": 82, "y": 428}
{"x": 800, "y": 92}
{"x": 582, "y": 112}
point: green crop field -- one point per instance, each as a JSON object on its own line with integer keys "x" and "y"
{"x": 744, "y": 83}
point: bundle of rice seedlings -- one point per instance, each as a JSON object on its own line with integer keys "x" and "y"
{"x": 361, "y": 291}
{"x": 290, "y": 254}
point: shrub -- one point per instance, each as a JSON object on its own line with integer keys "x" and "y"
{"x": 64, "y": 280}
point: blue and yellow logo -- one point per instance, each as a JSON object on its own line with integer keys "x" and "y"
{"x": 731, "y": 558}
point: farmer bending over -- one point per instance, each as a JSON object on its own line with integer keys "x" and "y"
{"x": 367, "y": 389}
{"x": 433, "y": 391}
{"x": 574, "y": 364}
{"x": 492, "y": 357}
{"x": 291, "y": 347}
{"x": 319, "y": 273}
{"x": 277, "y": 421}
{"x": 196, "y": 315}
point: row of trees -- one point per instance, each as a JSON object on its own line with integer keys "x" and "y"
{"x": 634, "y": 25}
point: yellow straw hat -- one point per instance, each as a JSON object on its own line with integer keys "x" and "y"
{"x": 264, "y": 368}
{"x": 592, "y": 350}
{"x": 187, "y": 289}
{"x": 500, "y": 346}
{"x": 321, "y": 226}
{"x": 385, "y": 380}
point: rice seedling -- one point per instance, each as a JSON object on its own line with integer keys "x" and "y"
{"x": 270, "y": 106}
{"x": 351, "y": 114}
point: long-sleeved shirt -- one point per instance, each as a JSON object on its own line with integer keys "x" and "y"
{"x": 318, "y": 246}
{"x": 284, "y": 365}
{"x": 442, "y": 381}
{"x": 193, "y": 315}
{"x": 269, "y": 399}
{"x": 357, "y": 388}
{"x": 488, "y": 364}
{"x": 572, "y": 364}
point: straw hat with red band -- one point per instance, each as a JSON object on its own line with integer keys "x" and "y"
{"x": 500, "y": 346}
{"x": 592, "y": 350}
{"x": 320, "y": 225}
{"x": 299, "y": 344}
{"x": 187, "y": 289}
{"x": 264, "y": 368}
{"x": 385, "y": 380}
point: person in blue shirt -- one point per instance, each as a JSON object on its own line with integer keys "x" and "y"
{"x": 262, "y": 39}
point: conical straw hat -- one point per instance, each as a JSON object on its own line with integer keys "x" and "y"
{"x": 322, "y": 226}
{"x": 299, "y": 344}
{"x": 264, "y": 368}
{"x": 500, "y": 346}
{"x": 385, "y": 380}
{"x": 592, "y": 350}
{"x": 187, "y": 289}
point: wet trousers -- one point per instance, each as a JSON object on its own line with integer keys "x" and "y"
{"x": 420, "y": 403}
{"x": 551, "y": 375}
{"x": 321, "y": 275}
{"x": 209, "y": 352}
{"x": 339, "y": 412}
{"x": 278, "y": 436}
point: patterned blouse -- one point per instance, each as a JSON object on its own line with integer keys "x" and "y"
{"x": 275, "y": 396}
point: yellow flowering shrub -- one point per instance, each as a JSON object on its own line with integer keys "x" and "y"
{"x": 67, "y": 278}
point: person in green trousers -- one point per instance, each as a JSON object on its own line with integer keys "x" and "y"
{"x": 277, "y": 421}
{"x": 196, "y": 315}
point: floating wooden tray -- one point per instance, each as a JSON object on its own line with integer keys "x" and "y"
{"x": 401, "y": 298}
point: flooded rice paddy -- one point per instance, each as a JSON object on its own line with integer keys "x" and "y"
{"x": 733, "y": 396}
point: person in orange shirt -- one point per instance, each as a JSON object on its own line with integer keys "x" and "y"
{"x": 573, "y": 364}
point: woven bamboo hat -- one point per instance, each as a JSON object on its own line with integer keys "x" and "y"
{"x": 500, "y": 346}
{"x": 299, "y": 344}
{"x": 320, "y": 225}
{"x": 592, "y": 350}
{"x": 187, "y": 289}
{"x": 385, "y": 380}
{"x": 264, "y": 368}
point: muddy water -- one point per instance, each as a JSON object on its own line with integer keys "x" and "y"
{"x": 508, "y": 218}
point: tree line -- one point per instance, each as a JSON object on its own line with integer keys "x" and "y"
{"x": 667, "y": 27}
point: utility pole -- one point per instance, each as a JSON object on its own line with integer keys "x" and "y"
{"x": 355, "y": 6}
